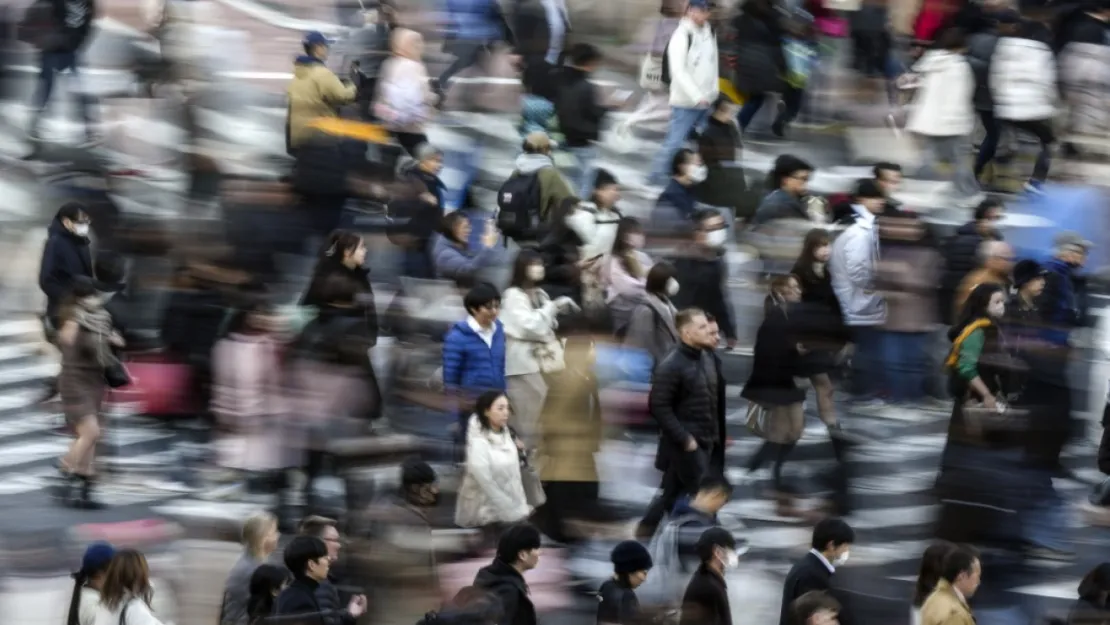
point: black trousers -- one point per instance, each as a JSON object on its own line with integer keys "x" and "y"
{"x": 679, "y": 479}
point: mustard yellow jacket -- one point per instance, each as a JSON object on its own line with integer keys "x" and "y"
{"x": 315, "y": 92}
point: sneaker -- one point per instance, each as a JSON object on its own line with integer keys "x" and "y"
{"x": 1034, "y": 187}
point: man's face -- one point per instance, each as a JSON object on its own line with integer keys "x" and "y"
{"x": 889, "y": 181}
{"x": 824, "y": 617}
{"x": 1034, "y": 287}
{"x": 698, "y": 16}
{"x": 331, "y": 539}
{"x": 714, "y": 334}
{"x": 989, "y": 224}
{"x": 486, "y": 315}
{"x": 320, "y": 51}
{"x": 433, "y": 165}
{"x": 968, "y": 583}
{"x": 1002, "y": 262}
{"x": 797, "y": 182}
{"x": 696, "y": 333}
{"x": 874, "y": 205}
{"x": 318, "y": 569}
{"x": 530, "y": 559}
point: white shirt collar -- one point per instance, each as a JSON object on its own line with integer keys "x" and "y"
{"x": 486, "y": 334}
{"x": 824, "y": 560}
{"x": 864, "y": 217}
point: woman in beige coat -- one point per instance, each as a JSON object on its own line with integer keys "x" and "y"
{"x": 404, "y": 98}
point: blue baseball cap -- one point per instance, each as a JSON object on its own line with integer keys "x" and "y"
{"x": 97, "y": 556}
{"x": 316, "y": 38}
{"x": 698, "y": 4}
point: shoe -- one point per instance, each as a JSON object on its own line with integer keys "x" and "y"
{"x": 1034, "y": 187}
{"x": 85, "y": 500}
{"x": 778, "y": 129}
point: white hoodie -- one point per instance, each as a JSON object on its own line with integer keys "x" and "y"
{"x": 943, "y": 107}
{"x": 692, "y": 63}
{"x": 1023, "y": 80}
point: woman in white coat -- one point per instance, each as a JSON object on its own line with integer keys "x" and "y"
{"x": 126, "y": 594}
{"x": 943, "y": 114}
{"x": 492, "y": 492}
{"x": 529, "y": 317}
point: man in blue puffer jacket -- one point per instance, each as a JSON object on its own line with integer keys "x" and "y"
{"x": 474, "y": 350}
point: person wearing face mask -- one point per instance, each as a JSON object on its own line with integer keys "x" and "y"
{"x": 702, "y": 272}
{"x": 624, "y": 271}
{"x": 830, "y": 547}
{"x": 651, "y": 326}
{"x": 87, "y": 339}
{"x": 705, "y": 601}
{"x": 532, "y": 350}
{"x": 720, "y": 150}
{"x": 65, "y": 256}
{"x": 678, "y": 203}
{"x": 617, "y": 602}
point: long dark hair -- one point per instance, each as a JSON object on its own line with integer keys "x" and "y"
{"x": 80, "y": 579}
{"x": 525, "y": 258}
{"x": 774, "y": 297}
{"x": 929, "y": 573}
{"x": 265, "y": 583}
{"x": 624, "y": 252}
{"x": 803, "y": 267}
{"x": 484, "y": 403}
{"x": 975, "y": 308}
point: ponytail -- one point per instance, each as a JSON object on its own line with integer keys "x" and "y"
{"x": 79, "y": 580}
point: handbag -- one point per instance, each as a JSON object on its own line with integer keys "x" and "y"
{"x": 115, "y": 374}
{"x": 757, "y": 420}
{"x": 651, "y": 72}
{"x": 533, "y": 488}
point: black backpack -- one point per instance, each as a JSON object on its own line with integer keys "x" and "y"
{"x": 519, "y": 204}
{"x": 665, "y": 74}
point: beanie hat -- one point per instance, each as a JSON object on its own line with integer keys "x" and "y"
{"x": 604, "y": 178}
{"x": 97, "y": 556}
{"x": 1025, "y": 271}
{"x": 630, "y": 556}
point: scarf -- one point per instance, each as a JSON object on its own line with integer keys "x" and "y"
{"x": 99, "y": 322}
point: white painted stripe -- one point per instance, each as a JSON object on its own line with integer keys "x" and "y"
{"x": 26, "y": 453}
{"x": 280, "y": 20}
{"x": 29, "y": 424}
{"x": 28, "y": 374}
{"x": 17, "y": 350}
{"x": 19, "y": 327}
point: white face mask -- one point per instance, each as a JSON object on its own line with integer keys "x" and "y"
{"x": 81, "y": 230}
{"x": 997, "y": 310}
{"x": 716, "y": 238}
{"x": 672, "y": 287}
{"x": 732, "y": 560}
{"x": 698, "y": 173}
{"x": 841, "y": 559}
{"x": 535, "y": 273}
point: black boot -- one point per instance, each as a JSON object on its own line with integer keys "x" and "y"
{"x": 85, "y": 501}
{"x": 64, "y": 485}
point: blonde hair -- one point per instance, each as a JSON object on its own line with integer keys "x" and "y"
{"x": 255, "y": 530}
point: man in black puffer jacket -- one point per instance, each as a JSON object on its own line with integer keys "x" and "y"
{"x": 961, "y": 252}
{"x": 687, "y": 401}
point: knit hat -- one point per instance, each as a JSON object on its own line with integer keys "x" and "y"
{"x": 1025, "y": 271}
{"x": 630, "y": 556}
{"x": 97, "y": 556}
{"x": 604, "y": 178}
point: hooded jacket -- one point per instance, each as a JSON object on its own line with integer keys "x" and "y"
{"x": 508, "y": 585}
{"x": 65, "y": 257}
{"x": 692, "y": 60}
{"x": 944, "y": 103}
{"x": 853, "y": 266}
{"x": 315, "y": 92}
{"x": 553, "y": 187}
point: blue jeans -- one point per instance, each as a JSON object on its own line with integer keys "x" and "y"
{"x": 582, "y": 176}
{"x": 867, "y": 362}
{"x": 51, "y": 64}
{"x": 682, "y": 121}
{"x": 906, "y": 358}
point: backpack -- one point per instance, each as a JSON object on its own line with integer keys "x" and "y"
{"x": 518, "y": 202}
{"x": 666, "y": 72}
{"x": 669, "y": 578}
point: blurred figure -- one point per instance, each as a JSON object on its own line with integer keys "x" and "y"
{"x": 315, "y": 91}
{"x": 570, "y": 439}
{"x": 564, "y": 267}
{"x": 654, "y": 106}
{"x": 617, "y": 602}
{"x": 518, "y": 551}
{"x": 1093, "y": 606}
{"x": 702, "y": 271}
{"x": 373, "y": 43}
{"x": 996, "y": 261}
{"x": 624, "y": 271}
{"x": 126, "y": 593}
{"x": 677, "y": 203}
{"x": 760, "y": 62}
{"x": 419, "y": 201}
{"x": 532, "y": 350}
{"x": 932, "y": 567}
{"x": 307, "y": 559}
{"x": 542, "y": 188}
{"x": 452, "y": 257}
{"x": 474, "y": 28}
{"x": 60, "y": 50}
{"x": 260, "y": 540}
{"x": 87, "y": 340}
{"x": 788, "y": 180}
{"x": 907, "y": 275}
{"x": 87, "y": 583}
{"x": 1082, "y": 50}
{"x": 652, "y": 324}
{"x": 328, "y": 595}
{"x": 720, "y": 151}
{"x": 265, "y": 584}
{"x": 248, "y": 398}
{"x": 816, "y": 607}
{"x": 943, "y": 115}
{"x": 771, "y": 384}
{"x": 474, "y": 351}
{"x": 959, "y": 579}
{"x": 853, "y": 265}
{"x": 705, "y": 601}
{"x": 819, "y": 321}
{"x": 492, "y": 492}
{"x": 540, "y": 28}
{"x": 699, "y": 513}
{"x": 581, "y": 114}
{"x": 974, "y": 361}
{"x": 830, "y": 547}
{"x": 404, "y": 97}
{"x": 691, "y": 62}
{"x": 65, "y": 257}
{"x": 1022, "y": 309}
{"x": 687, "y": 401}
{"x": 980, "y": 53}
{"x": 961, "y": 252}
{"x": 889, "y": 178}
{"x": 602, "y": 205}
{"x": 1027, "y": 104}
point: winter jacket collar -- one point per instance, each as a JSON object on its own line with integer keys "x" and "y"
{"x": 305, "y": 59}
{"x": 528, "y": 164}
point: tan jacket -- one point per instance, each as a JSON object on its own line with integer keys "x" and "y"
{"x": 945, "y": 607}
{"x": 972, "y": 280}
{"x": 315, "y": 92}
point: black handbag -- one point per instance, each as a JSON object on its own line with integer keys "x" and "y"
{"x": 116, "y": 375}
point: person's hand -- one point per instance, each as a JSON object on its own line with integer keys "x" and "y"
{"x": 801, "y": 349}
{"x": 116, "y": 340}
{"x": 586, "y": 263}
{"x": 357, "y": 606}
{"x": 519, "y": 444}
{"x": 428, "y": 198}
{"x": 564, "y": 303}
{"x": 491, "y": 236}
{"x": 691, "y": 444}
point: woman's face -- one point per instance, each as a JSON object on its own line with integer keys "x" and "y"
{"x": 608, "y": 196}
{"x": 822, "y": 253}
{"x": 270, "y": 540}
{"x": 498, "y": 413}
{"x": 997, "y": 306}
{"x": 357, "y": 256}
{"x": 461, "y": 230}
{"x": 637, "y": 579}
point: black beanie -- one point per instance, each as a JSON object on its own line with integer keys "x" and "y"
{"x": 630, "y": 556}
{"x": 603, "y": 178}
